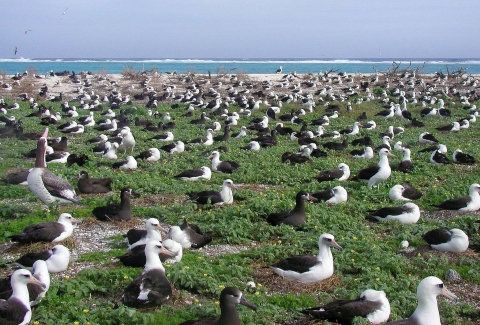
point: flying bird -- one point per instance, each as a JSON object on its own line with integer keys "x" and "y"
{"x": 63, "y": 13}
{"x": 16, "y": 50}
{"x": 28, "y": 30}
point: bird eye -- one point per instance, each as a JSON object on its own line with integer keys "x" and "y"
{"x": 328, "y": 239}
{"x": 159, "y": 246}
{"x": 26, "y": 275}
{"x": 440, "y": 285}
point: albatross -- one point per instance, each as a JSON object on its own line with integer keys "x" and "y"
{"x": 470, "y": 202}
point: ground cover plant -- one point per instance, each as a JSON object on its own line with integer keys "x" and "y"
{"x": 243, "y": 242}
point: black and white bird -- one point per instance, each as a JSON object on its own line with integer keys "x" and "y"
{"x": 229, "y": 298}
{"x": 375, "y": 174}
{"x": 168, "y": 136}
{"x": 332, "y": 196}
{"x": 136, "y": 237}
{"x": 152, "y": 154}
{"x": 226, "y": 166}
{"x": 151, "y": 287}
{"x": 447, "y": 240}
{"x": 371, "y": 304}
{"x": 206, "y": 140}
{"x": 172, "y": 148}
{"x": 16, "y": 309}
{"x": 225, "y": 196}
{"x": 462, "y": 158}
{"x": 406, "y": 165}
{"x": 366, "y": 153}
{"x": 405, "y": 192}
{"x": 406, "y": 214}
{"x": 47, "y": 231}
{"x": 427, "y": 138}
{"x": 427, "y": 308}
{"x": 468, "y": 203}
{"x": 353, "y": 130}
{"x": 439, "y": 158}
{"x": 47, "y": 186}
{"x": 308, "y": 268}
{"x": 189, "y": 235}
{"x": 129, "y": 163}
{"x": 253, "y": 145}
{"x": 341, "y": 173}
{"x": 195, "y": 174}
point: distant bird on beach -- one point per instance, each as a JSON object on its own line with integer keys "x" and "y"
{"x": 279, "y": 70}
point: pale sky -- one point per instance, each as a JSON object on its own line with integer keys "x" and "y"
{"x": 240, "y": 29}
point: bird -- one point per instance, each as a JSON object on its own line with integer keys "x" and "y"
{"x": 337, "y": 145}
{"x": 294, "y": 217}
{"x": 151, "y": 287}
{"x": 111, "y": 151}
{"x": 405, "y": 192}
{"x": 89, "y": 185}
{"x": 365, "y": 141}
{"x": 168, "y": 136}
{"x": 195, "y": 174}
{"x": 47, "y": 231}
{"x": 341, "y": 173}
{"x": 353, "y": 130}
{"x": 406, "y": 166}
{"x": 28, "y": 30}
{"x": 427, "y": 309}
{"x": 115, "y": 211}
{"x": 152, "y": 230}
{"x": 226, "y": 166}
{"x": 447, "y": 240}
{"x": 57, "y": 259}
{"x": 229, "y": 298}
{"x": 371, "y": 304}
{"x": 128, "y": 163}
{"x": 307, "y": 268}
{"x": 405, "y": 214}
{"x": 468, "y": 203}
{"x": 189, "y": 235}
{"x": 214, "y": 197}
{"x": 47, "y": 186}
{"x": 252, "y": 145}
{"x": 279, "y": 70}
{"x": 462, "y": 158}
{"x": 375, "y": 174}
{"x": 206, "y": 140}
{"x": 17, "y": 178}
{"x": 366, "y": 153}
{"x": 152, "y": 154}
{"x": 172, "y": 148}
{"x": 16, "y": 309}
{"x": 427, "y": 138}
{"x": 332, "y": 196}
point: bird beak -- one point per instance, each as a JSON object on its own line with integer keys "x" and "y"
{"x": 35, "y": 281}
{"x": 45, "y": 133}
{"x": 390, "y": 154}
{"x": 160, "y": 228}
{"x": 233, "y": 187}
{"x": 247, "y": 303}
{"x": 76, "y": 221}
{"x": 167, "y": 252}
{"x": 334, "y": 244}
{"x": 447, "y": 293}
{"x": 210, "y": 157}
{"x": 311, "y": 198}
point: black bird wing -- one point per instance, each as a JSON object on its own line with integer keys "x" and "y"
{"x": 134, "y": 257}
{"x": 297, "y": 263}
{"x": 134, "y": 235}
{"x": 45, "y": 231}
{"x": 454, "y": 204}
{"x": 30, "y": 258}
{"x": 388, "y": 211}
{"x": 343, "y": 311}
{"x": 368, "y": 172}
{"x": 168, "y": 147}
{"x": 12, "y": 312}
{"x": 205, "y": 196}
{"x": 437, "y": 236}
{"x": 57, "y": 186}
{"x": 324, "y": 195}
{"x": 329, "y": 175}
{"x": 190, "y": 173}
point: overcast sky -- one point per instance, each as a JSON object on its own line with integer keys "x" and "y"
{"x": 240, "y": 29}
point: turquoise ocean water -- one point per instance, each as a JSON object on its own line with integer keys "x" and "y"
{"x": 250, "y": 66}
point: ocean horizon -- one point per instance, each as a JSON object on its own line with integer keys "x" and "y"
{"x": 236, "y": 65}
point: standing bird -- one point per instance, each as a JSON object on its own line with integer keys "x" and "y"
{"x": 229, "y": 298}
{"x": 307, "y": 268}
{"x": 468, "y": 203}
{"x": 47, "y": 186}
{"x": 377, "y": 173}
{"x": 279, "y": 70}
{"x": 294, "y": 217}
{"x": 427, "y": 309}
{"x": 16, "y": 310}
{"x": 151, "y": 287}
{"x": 371, "y": 304}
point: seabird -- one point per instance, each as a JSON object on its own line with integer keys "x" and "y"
{"x": 189, "y": 235}
{"x": 47, "y": 186}
{"x": 57, "y": 259}
{"x": 294, "y": 217}
{"x": 341, "y": 173}
{"x": 47, "y": 231}
{"x": 445, "y": 240}
{"x": 337, "y": 145}
{"x": 406, "y": 214}
{"x": 111, "y": 151}
{"x": 171, "y": 148}
{"x": 152, "y": 230}
{"x": 377, "y": 173}
{"x": 386, "y": 114}
{"x": 352, "y": 131}
{"x": 226, "y": 166}
{"x": 115, "y": 211}
{"x": 307, "y": 268}
{"x": 128, "y": 163}
{"x": 206, "y": 141}
{"x": 168, "y": 136}
{"x": 406, "y": 166}
{"x": 404, "y": 192}
{"x": 16, "y": 310}
{"x": 214, "y": 197}
{"x": 427, "y": 138}
{"x": 195, "y": 174}
{"x": 365, "y": 141}
{"x": 439, "y": 158}
{"x": 452, "y": 127}
{"x": 427, "y": 309}
{"x": 229, "y": 298}
{"x": 89, "y": 185}
{"x": 17, "y": 178}
{"x": 370, "y": 125}
{"x": 462, "y": 158}
{"x": 366, "y": 153}
{"x": 470, "y": 202}
{"x": 151, "y": 287}
{"x": 152, "y": 154}
{"x": 371, "y": 304}
{"x": 253, "y": 145}
{"x": 332, "y": 196}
